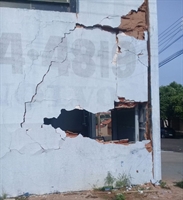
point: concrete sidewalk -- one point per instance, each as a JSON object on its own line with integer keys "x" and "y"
{"x": 172, "y": 166}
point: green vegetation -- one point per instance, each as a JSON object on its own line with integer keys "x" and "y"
{"x": 122, "y": 181}
{"x": 109, "y": 180}
{"x": 171, "y": 101}
{"x": 163, "y": 184}
{"x": 180, "y": 184}
{"x": 120, "y": 197}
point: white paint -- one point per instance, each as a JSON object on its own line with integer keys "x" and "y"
{"x": 155, "y": 90}
{"x": 105, "y": 12}
{"x": 42, "y": 158}
{"x": 70, "y": 164}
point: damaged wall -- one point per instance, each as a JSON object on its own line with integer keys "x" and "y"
{"x": 46, "y": 163}
{"x": 55, "y": 60}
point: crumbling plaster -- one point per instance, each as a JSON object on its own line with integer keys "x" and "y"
{"x": 53, "y": 64}
{"x": 59, "y": 53}
{"x": 64, "y": 164}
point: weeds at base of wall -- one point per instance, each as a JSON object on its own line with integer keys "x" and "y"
{"x": 120, "y": 197}
{"x": 122, "y": 181}
{"x": 164, "y": 185}
{"x": 109, "y": 180}
{"x": 179, "y": 184}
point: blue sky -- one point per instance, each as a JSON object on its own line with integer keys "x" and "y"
{"x": 169, "y": 11}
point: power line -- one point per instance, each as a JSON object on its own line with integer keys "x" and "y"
{"x": 170, "y": 58}
{"x": 170, "y": 27}
{"x": 169, "y": 40}
{"x": 169, "y": 36}
{"x": 169, "y": 32}
{"x": 166, "y": 36}
{"x": 170, "y": 44}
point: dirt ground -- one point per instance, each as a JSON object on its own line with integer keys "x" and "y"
{"x": 144, "y": 192}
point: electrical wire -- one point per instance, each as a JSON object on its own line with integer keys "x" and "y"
{"x": 170, "y": 44}
{"x": 170, "y": 27}
{"x": 170, "y": 58}
{"x": 169, "y": 36}
{"x": 169, "y": 32}
{"x": 166, "y": 37}
{"x": 169, "y": 40}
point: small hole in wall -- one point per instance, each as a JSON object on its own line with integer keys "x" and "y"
{"x": 137, "y": 171}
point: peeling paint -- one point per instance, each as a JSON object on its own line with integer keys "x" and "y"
{"x": 81, "y": 149}
{"x": 149, "y": 147}
{"x": 125, "y": 103}
{"x": 58, "y": 60}
{"x": 134, "y": 23}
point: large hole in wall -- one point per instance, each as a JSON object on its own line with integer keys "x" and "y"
{"x": 126, "y": 122}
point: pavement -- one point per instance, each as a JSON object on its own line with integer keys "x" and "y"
{"x": 172, "y": 159}
{"x": 172, "y": 165}
{"x": 171, "y": 144}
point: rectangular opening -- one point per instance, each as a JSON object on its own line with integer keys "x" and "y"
{"x": 49, "y": 5}
{"x": 123, "y": 124}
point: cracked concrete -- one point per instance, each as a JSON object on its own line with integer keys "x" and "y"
{"x": 28, "y": 140}
{"x": 36, "y": 90}
{"x": 138, "y": 23}
{"x": 65, "y": 34}
{"x": 122, "y": 28}
{"x": 37, "y": 34}
{"x": 87, "y": 60}
{"x": 59, "y": 163}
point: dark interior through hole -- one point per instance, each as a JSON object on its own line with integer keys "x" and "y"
{"x": 116, "y": 124}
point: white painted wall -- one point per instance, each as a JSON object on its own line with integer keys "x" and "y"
{"x": 41, "y": 162}
{"x": 48, "y": 63}
{"x": 155, "y": 91}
